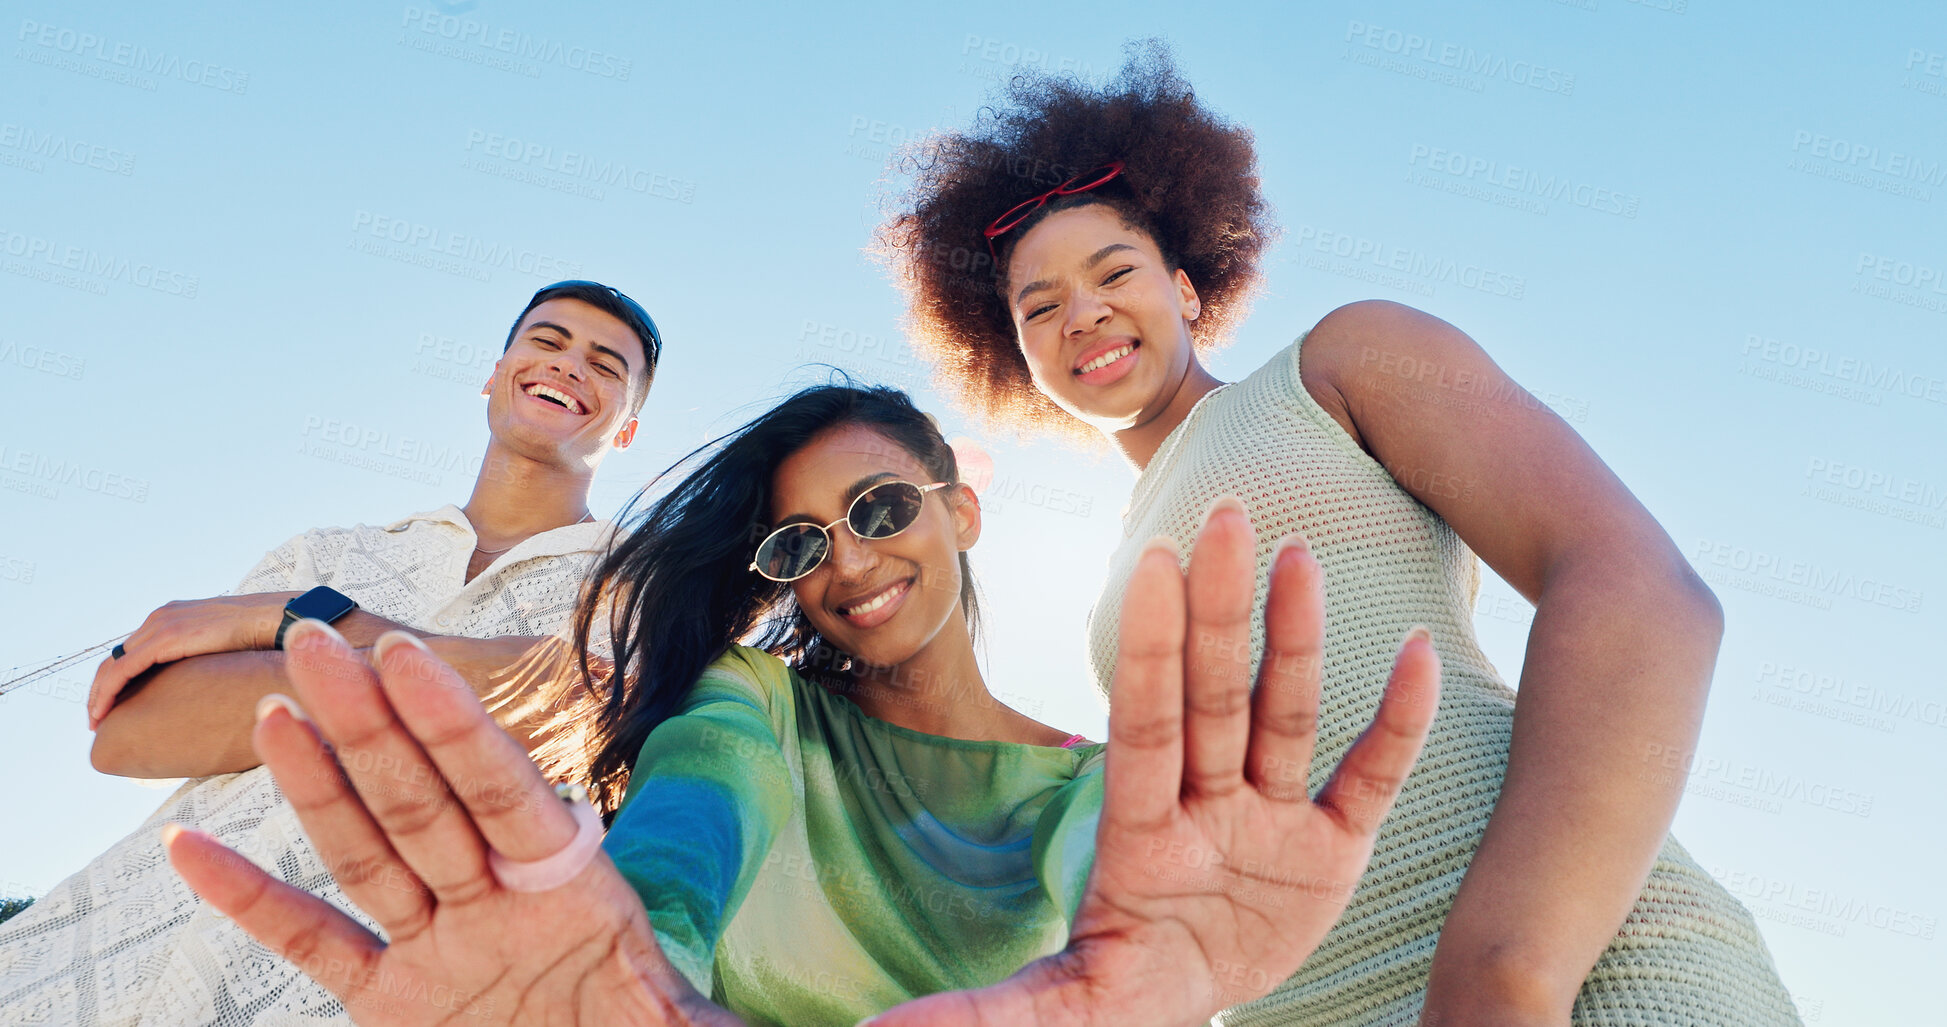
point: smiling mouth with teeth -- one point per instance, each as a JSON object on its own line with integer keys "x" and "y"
{"x": 886, "y": 595}
{"x": 555, "y": 396}
{"x": 1107, "y": 358}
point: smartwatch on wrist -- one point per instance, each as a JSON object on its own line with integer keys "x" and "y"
{"x": 322, "y": 603}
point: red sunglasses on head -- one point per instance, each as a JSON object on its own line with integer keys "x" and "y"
{"x": 1019, "y": 212}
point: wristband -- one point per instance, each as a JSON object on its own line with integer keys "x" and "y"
{"x": 322, "y": 603}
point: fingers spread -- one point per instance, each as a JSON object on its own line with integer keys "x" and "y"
{"x": 1143, "y": 778}
{"x": 394, "y": 779}
{"x": 1284, "y": 709}
{"x": 325, "y": 943}
{"x": 347, "y": 839}
{"x": 512, "y": 805}
{"x": 1217, "y": 660}
{"x": 1367, "y": 780}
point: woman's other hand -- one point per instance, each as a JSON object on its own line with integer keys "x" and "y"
{"x": 1216, "y": 874}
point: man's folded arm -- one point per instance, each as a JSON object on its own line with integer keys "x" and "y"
{"x": 193, "y": 717}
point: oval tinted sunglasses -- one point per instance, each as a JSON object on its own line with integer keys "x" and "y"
{"x": 882, "y": 511}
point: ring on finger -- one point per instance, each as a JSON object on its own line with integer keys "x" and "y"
{"x": 551, "y": 872}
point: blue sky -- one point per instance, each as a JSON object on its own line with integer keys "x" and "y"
{"x": 255, "y": 263}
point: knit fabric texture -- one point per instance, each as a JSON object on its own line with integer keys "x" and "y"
{"x": 1688, "y": 953}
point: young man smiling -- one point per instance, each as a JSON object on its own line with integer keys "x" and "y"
{"x": 123, "y": 940}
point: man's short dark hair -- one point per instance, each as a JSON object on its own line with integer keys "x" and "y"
{"x": 609, "y": 300}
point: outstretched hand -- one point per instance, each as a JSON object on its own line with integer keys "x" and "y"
{"x": 1216, "y": 873}
{"x": 404, "y": 783}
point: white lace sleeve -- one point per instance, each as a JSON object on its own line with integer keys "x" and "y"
{"x": 124, "y": 942}
{"x": 282, "y": 569}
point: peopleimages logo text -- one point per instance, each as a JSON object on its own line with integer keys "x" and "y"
{"x": 1870, "y": 158}
{"x": 515, "y": 43}
{"x": 55, "y": 146}
{"x": 102, "y": 267}
{"x": 418, "y": 238}
{"x": 1856, "y": 370}
{"x": 49, "y": 470}
{"x": 134, "y": 58}
{"x": 1815, "y": 579}
{"x": 1525, "y": 181}
{"x": 578, "y": 165}
{"x": 1462, "y": 59}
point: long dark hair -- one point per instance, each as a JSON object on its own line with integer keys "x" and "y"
{"x": 676, "y": 590}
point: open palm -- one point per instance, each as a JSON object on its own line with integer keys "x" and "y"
{"x": 1216, "y": 873}
{"x": 415, "y": 786}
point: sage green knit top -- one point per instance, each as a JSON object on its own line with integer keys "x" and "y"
{"x": 1688, "y": 953}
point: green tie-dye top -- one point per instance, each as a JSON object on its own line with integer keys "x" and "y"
{"x": 804, "y": 863}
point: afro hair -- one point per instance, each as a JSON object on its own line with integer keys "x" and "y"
{"x": 1189, "y": 181}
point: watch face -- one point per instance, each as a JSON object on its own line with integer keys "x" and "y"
{"x": 321, "y": 603}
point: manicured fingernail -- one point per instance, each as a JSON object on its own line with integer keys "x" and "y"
{"x": 1224, "y": 503}
{"x": 277, "y": 701}
{"x": 1420, "y": 632}
{"x": 171, "y": 830}
{"x": 1163, "y": 543}
{"x": 310, "y": 633}
{"x": 391, "y": 638}
{"x": 1292, "y": 543}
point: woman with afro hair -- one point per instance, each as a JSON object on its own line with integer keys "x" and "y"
{"x": 1068, "y": 261}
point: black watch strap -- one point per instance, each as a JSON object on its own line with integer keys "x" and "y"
{"x": 322, "y": 603}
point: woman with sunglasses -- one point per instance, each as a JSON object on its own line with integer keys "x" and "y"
{"x": 1527, "y": 876}
{"x": 836, "y": 817}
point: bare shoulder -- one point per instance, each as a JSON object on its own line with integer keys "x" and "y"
{"x": 1359, "y": 340}
{"x": 1358, "y": 336}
